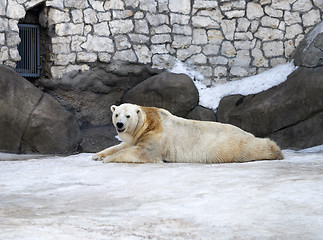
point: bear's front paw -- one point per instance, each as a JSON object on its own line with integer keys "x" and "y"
{"x": 98, "y": 157}
{"x": 107, "y": 160}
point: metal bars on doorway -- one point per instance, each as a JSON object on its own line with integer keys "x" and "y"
{"x": 29, "y": 50}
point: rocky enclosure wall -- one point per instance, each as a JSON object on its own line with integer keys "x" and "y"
{"x": 225, "y": 40}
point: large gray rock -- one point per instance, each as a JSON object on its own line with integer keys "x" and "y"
{"x": 89, "y": 94}
{"x": 201, "y": 114}
{"x": 174, "y": 92}
{"x": 306, "y": 133}
{"x": 18, "y": 98}
{"x": 309, "y": 52}
{"x": 290, "y": 113}
{"x": 95, "y": 139}
{"x": 31, "y": 121}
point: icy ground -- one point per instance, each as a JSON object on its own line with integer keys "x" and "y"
{"x": 75, "y": 198}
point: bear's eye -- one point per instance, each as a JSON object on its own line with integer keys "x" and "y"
{"x": 117, "y": 115}
{"x": 128, "y": 116}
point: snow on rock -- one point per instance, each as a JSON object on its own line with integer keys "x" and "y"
{"x": 313, "y": 34}
{"x": 316, "y": 149}
{"x": 75, "y": 198}
{"x": 210, "y": 97}
{"x": 180, "y": 67}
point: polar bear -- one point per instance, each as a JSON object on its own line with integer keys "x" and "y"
{"x": 153, "y": 135}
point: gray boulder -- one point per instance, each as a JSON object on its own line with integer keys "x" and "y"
{"x": 304, "y": 134}
{"x": 174, "y": 92}
{"x": 18, "y": 98}
{"x": 309, "y": 52}
{"x": 32, "y": 121}
{"x": 95, "y": 139}
{"x": 202, "y": 114}
{"x": 290, "y": 113}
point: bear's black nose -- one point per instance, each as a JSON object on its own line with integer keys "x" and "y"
{"x": 119, "y": 124}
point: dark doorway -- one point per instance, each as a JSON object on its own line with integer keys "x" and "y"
{"x": 29, "y": 50}
{"x": 35, "y": 46}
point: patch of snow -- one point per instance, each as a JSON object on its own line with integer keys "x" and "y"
{"x": 17, "y": 157}
{"x": 316, "y": 149}
{"x": 188, "y": 69}
{"x": 210, "y": 97}
{"x": 74, "y": 198}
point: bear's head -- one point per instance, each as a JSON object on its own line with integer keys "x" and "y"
{"x": 125, "y": 117}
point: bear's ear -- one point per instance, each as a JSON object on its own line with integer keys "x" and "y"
{"x": 113, "y": 108}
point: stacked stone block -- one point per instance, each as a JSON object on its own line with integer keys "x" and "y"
{"x": 225, "y": 40}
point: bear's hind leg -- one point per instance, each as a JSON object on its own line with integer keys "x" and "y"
{"x": 263, "y": 149}
{"x": 274, "y": 150}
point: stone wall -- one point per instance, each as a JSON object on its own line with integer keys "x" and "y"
{"x": 225, "y": 40}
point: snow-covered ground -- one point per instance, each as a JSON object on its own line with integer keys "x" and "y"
{"x": 74, "y": 197}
